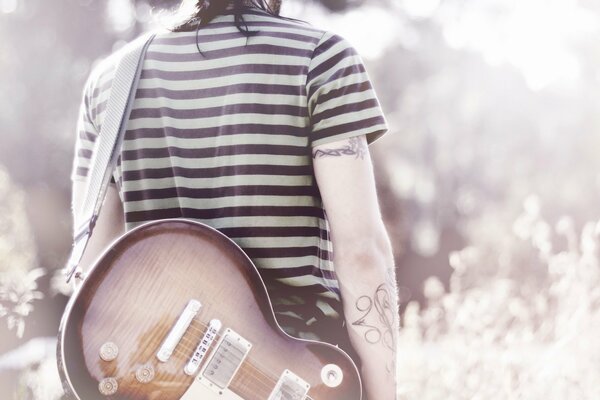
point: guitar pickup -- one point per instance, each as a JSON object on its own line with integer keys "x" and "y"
{"x": 226, "y": 359}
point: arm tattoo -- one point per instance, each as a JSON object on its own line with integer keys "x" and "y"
{"x": 381, "y": 306}
{"x": 356, "y": 147}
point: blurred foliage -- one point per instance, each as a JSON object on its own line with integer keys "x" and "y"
{"x": 18, "y": 272}
{"x": 496, "y": 336}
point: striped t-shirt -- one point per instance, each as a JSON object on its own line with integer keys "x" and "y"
{"x": 225, "y": 137}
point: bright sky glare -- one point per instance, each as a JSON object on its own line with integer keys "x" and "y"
{"x": 370, "y": 29}
{"x": 535, "y": 36}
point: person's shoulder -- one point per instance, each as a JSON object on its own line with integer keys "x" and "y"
{"x": 102, "y": 72}
{"x": 104, "y": 68}
{"x": 333, "y": 45}
{"x": 285, "y": 25}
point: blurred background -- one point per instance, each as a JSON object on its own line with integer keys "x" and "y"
{"x": 489, "y": 182}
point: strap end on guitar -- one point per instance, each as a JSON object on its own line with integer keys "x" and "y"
{"x": 80, "y": 242}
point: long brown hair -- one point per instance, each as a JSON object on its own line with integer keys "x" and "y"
{"x": 193, "y": 14}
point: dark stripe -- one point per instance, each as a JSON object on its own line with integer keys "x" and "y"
{"x": 229, "y": 52}
{"x": 101, "y": 89}
{"x": 229, "y": 170}
{"x": 348, "y": 127}
{"x": 81, "y": 171}
{"x": 275, "y": 273}
{"x": 341, "y": 73}
{"x": 163, "y": 152}
{"x": 228, "y": 109}
{"x": 345, "y": 109}
{"x": 284, "y": 290}
{"x": 216, "y": 131}
{"x": 212, "y": 193}
{"x": 326, "y": 45}
{"x": 206, "y": 37}
{"x": 89, "y": 136}
{"x": 225, "y": 212}
{"x": 286, "y": 252}
{"x": 253, "y": 88}
{"x": 261, "y": 23}
{"x": 100, "y": 108}
{"x": 338, "y": 93}
{"x": 232, "y": 70}
{"x": 330, "y": 63}
{"x": 84, "y": 153}
{"x": 275, "y": 231}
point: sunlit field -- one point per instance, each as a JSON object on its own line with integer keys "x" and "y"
{"x": 489, "y": 183}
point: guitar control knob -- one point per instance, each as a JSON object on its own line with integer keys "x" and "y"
{"x": 108, "y": 386}
{"x": 109, "y": 351}
{"x": 145, "y": 373}
{"x": 332, "y": 375}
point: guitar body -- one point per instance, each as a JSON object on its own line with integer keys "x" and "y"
{"x": 175, "y": 310}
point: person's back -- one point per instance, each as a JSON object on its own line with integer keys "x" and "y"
{"x": 222, "y": 131}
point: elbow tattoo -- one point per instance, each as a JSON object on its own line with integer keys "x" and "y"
{"x": 378, "y": 317}
{"x": 356, "y": 147}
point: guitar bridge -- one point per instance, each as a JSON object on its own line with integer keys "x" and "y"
{"x": 178, "y": 330}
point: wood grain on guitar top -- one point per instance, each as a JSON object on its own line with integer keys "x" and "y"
{"x": 137, "y": 291}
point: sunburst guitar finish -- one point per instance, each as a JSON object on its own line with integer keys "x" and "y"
{"x": 176, "y": 310}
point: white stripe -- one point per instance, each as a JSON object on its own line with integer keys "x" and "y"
{"x": 163, "y": 84}
{"x": 239, "y": 180}
{"x": 325, "y": 56}
{"x": 347, "y": 118}
{"x": 241, "y": 222}
{"x": 227, "y": 140}
{"x": 212, "y": 122}
{"x": 232, "y": 201}
{"x": 288, "y": 262}
{"x": 222, "y": 161}
{"x": 349, "y": 98}
{"x": 276, "y": 242}
{"x": 229, "y": 44}
{"x": 307, "y": 280}
{"x": 236, "y": 98}
{"x": 202, "y": 65}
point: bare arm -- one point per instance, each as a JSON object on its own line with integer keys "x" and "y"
{"x": 110, "y": 224}
{"x": 363, "y": 259}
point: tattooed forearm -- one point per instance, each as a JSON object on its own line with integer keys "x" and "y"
{"x": 378, "y": 316}
{"x": 356, "y": 147}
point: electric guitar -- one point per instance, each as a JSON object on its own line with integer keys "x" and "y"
{"x": 176, "y": 310}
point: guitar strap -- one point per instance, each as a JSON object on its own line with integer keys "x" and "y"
{"x": 108, "y": 148}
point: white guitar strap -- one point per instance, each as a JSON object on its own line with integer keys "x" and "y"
{"x": 108, "y": 148}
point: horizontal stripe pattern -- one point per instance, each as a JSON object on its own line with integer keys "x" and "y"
{"x": 225, "y": 138}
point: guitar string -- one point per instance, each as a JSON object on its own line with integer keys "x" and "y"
{"x": 255, "y": 379}
{"x": 255, "y": 382}
{"x": 180, "y": 351}
{"x": 259, "y": 367}
{"x": 217, "y": 337}
{"x": 269, "y": 387}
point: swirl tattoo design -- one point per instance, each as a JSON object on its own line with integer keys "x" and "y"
{"x": 381, "y": 306}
